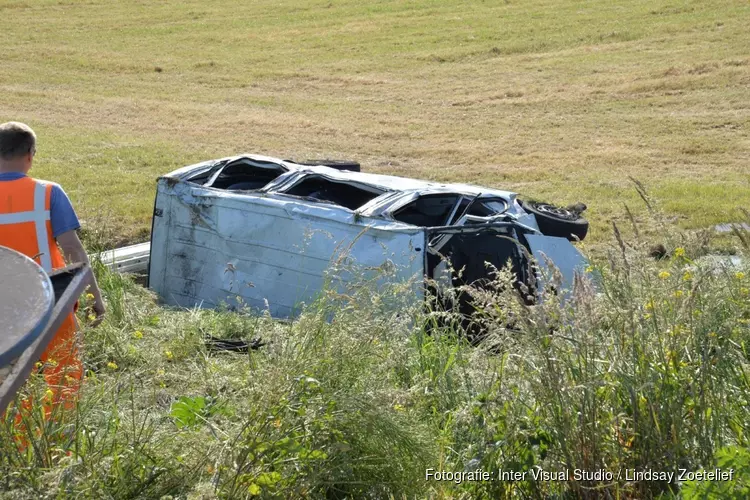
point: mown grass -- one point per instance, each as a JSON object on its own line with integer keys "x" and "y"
{"x": 558, "y": 100}
{"x": 360, "y": 395}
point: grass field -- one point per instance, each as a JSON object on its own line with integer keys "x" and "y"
{"x": 558, "y": 100}
{"x": 361, "y": 395}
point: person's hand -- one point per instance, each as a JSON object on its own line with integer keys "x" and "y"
{"x": 99, "y": 311}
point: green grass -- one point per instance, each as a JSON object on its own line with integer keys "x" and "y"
{"x": 557, "y": 100}
{"x": 362, "y": 393}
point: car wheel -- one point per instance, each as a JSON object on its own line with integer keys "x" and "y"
{"x": 352, "y": 166}
{"x": 558, "y": 221}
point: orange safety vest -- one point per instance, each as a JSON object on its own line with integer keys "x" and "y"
{"x": 25, "y": 226}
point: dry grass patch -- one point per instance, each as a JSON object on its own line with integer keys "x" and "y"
{"x": 546, "y": 98}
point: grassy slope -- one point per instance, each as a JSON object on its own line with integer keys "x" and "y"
{"x": 355, "y": 400}
{"x": 557, "y": 100}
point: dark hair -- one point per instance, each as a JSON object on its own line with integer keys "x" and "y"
{"x": 16, "y": 140}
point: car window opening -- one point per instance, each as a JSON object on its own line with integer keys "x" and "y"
{"x": 428, "y": 211}
{"x": 484, "y": 208}
{"x": 445, "y": 209}
{"x": 240, "y": 175}
{"x": 345, "y": 194}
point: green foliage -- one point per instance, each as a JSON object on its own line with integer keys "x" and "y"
{"x": 363, "y": 392}
{"x": 732, "y": 458}
{"x": 190, "y": 412}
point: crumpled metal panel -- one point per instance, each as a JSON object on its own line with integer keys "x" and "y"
{"x": 563, "y": 255}
{"x": 272, "y": 251}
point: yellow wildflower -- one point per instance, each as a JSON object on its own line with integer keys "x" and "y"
{"x": 589, "y": 269}
{"x": 112, "y": 365}
{"x": 89, "y": 296}
{"x": 678, "y": 293}
{"x": 744, "y": 291}
{"x": 664, "y": 275}
{"x": 687, "y": 276}
{"x": 160, "y": 372}
{"x": 38, "y": 364}
{"x": 649, "y": 305}
{"x": 138, "y": 334}
{"x": 92, "y": 317}
{"x": 739, "y": 275}
{"x": 399, "y": 407}
{"x": 679, "y": 252}
{"x": 48, "y": 394}
{"x": 277, "y": 423}
{"x": 52, "y": 362}
{"x": 169, "y": 355}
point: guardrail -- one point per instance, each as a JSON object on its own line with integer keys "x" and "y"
{"x": 130, "y": 259}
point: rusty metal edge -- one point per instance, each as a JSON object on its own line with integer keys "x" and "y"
{"x": 22, "y": 368}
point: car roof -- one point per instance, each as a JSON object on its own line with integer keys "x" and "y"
{"x": 386, "y": 182}
{"x": 396, "y": 183}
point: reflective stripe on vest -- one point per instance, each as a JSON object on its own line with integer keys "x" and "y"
{"x": 39, "y": 216}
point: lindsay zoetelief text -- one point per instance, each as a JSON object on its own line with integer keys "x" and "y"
{"x": 538, "y": 474}
{"x": 628, "y": 475}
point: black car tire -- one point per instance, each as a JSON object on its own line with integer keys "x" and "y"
{"x": 352, "y": 166}
{"x": 557, "y": 221}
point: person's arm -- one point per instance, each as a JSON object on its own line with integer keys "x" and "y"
{"x": 64, "y": 225}
{"x": 73, "y": 251}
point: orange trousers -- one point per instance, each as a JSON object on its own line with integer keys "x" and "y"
{"x": 62, "y": 366}
{"x": 62, "y": 369}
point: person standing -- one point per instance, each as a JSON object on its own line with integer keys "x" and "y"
{"x": 38, "y": 220}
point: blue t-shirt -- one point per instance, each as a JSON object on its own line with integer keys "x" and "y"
{"x": 62, "y": 215}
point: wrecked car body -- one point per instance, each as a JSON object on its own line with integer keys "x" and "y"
{"x": 266, "y": 232}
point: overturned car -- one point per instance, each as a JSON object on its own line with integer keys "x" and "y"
{"x": 266, "y": 231}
